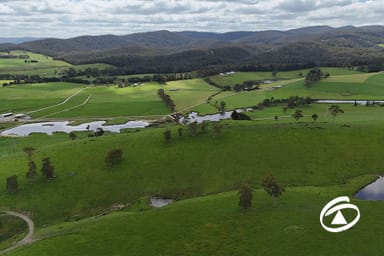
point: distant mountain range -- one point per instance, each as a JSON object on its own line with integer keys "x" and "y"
{"x": 17, "y": 40}
{"x": 165, "y": 51}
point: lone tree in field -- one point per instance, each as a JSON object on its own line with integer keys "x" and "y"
{"x": 334, "y": 110}
{"x": 313, "y": 76}
{"x": 272, "y": 187}
{"x": 298, "y": 114}
{"x": 29, "y": 151}
{"x": 47, "y": 169}
{"x": 31, "y": 173}
{"x": 113, "y": 157}
{"x": 193, "y": 128}
{"x": 245, "y": 196}
{"x": 72, "y": 135}
{"x": 222, "y": 106}
{"x": 180, "y": 131}
{"x": 314, "y": 117}
{"x": 12, "y": 184}
{"x": 99, "y": 132}
{"x": 167, "y": 136}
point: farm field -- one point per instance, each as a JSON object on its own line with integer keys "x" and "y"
{"x": 25, "y": 98}
{"x": 204, "y": 172}
{"x": 104, "y": 102}
{"x": 19, "y": 64}
{"x": 240, "y": 77}
{"x": 188, "y": 93}
{"x": 364, "y": 86}
{"x": 45, "y": 66}
{"x": 102, "y": 210}
{"x": 218, "y": 228}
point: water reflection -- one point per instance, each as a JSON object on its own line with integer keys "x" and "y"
{"x": 373, "y": 191}
{"x": 194, "y": 117}
{"x": 51, "y": 127}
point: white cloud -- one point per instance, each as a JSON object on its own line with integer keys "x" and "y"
{"x": 67, "y": 18}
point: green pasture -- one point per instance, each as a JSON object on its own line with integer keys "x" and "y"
{"x": 105, "y": 101}
{"x": 371, "y": 88}
{"x": 110, "y": 101}
{"x": 319, "y": 154}
{"x": 9, "y": 65}
{"x": 189, "y": 93}
{"x": 240, "y": 77}
{"x": 30, "y": 97}
{"x": 348, "y": 87}
{"x": 315, "y": 160}
{"x": 214, "y": 225}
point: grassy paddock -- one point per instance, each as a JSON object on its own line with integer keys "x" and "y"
{"x": 17, "y": 64}
{"x": 106, "y": 101}
{"x": 240, "y": 77}
{"x": 189, "y": 166}
{"x": 218, "y": 227}
{"x": 189, "y": 93}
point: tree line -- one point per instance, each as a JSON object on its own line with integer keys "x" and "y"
{"x": 167, "y": 99}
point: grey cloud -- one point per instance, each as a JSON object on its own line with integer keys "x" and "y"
{"x": 298, "y": 5}
{"x": 309, "y": 5}
{"x": 67, "y": 18}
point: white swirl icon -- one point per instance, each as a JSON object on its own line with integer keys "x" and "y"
{"x": 335, "y": 206}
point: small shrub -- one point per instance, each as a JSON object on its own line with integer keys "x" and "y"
{"x": 113, "y": 157}
{"x": 245, "y": 196}
{"x": 12, "y": 184}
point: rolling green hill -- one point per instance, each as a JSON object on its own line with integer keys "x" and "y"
{"x": 315, "y": 160}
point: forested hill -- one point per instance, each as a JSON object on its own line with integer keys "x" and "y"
{"x": 185, "y": 51}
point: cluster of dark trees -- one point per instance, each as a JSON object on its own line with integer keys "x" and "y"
{"x": 26, "y": 79}
{"x": 47, "y": 171}
{"x": 374, "y": 66}
{"x": 292, "y": 101}
{"x": 239, "y": 116}
{"x": 213, "y": 83}
{"x": 269, "y": 184}
{"x": 315, "y": 75}
{"x": 31, "y": 61}
{"x": 247, "y": 86}
{"x": 8, "y": 56}
{"x": 167, "y": 99}
{"x": 194, "y": 129}
{"x": 295, "y": 101}
{"x": 11, "y": 56}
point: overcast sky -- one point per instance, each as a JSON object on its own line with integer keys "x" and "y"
{"x": 69, "y": 18}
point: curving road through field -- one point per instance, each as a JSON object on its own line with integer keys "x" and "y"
{"x": 28, "y": 238}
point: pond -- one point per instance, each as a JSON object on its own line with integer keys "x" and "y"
{"x": 373, "y": 191}
{"x": 51, "y": 127}
{"x": 195, "y": 117}
{"x": 64, "y": 126}
{"x": 160, "y": 202}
